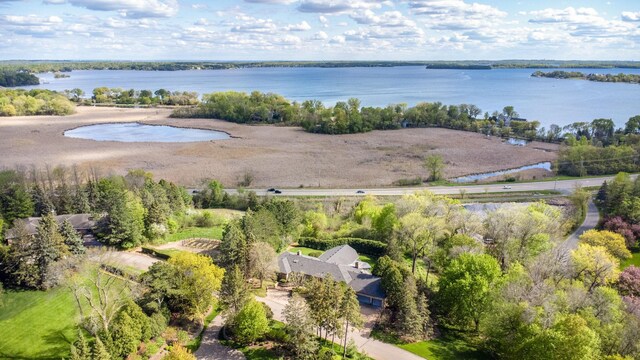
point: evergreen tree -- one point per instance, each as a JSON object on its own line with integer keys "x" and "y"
{"x": 41, "y": 201}
{"x": 64, "y": 203}
{"x": 15, "y": 203}
{"x": 48, "y": 246}
{"x": 99, "y": 351}
{"x": 424, "y": 315}
{"x": 80, "y": 348}
{"x": 81, "y": 202}
{"x": 233, "y": 292}
{"x": 72, "y": 238}
{"x": 125, "y": 336}
{"x": 233, "y": 248}
{"x": 408, "y": 321}
{"x": 601, "y": 197}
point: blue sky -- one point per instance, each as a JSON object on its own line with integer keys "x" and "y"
{"x": 319, "y": 29}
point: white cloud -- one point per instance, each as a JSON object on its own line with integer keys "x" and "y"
{"x": 386, "y": 19}
{"x": 272, "y": 2}
{"x": 453, "y": 8}
{"x": 336, "y": 6}
{"x": 320, "y": 35}
{"x": 202, "y": 22}
{"x": 132, "y": 8}
{"x": 631, "y": 16}
{"x": 303, "y": 26}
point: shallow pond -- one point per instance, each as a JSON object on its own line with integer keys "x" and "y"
{"x": 476, "y": 177}
{"x": 136, "y": 132}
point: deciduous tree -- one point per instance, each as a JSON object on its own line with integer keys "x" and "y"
{"x": 465, "y": 286}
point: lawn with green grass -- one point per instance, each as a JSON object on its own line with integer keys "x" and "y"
{"x": 37, "y": 324}
{"x": 444, "y": 349}
{"x": 447, "y": 347}
{"x": 196, "y": 232}
{"x": 634, "y": 260}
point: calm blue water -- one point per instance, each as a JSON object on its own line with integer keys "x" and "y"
{"x": 136, "y": 132}
{"x": 471, "y": 178}
{"x": 546, "y": 100}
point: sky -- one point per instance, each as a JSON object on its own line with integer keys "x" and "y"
{"x": 319, "y": 29}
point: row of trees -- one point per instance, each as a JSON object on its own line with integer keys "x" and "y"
{"x": 34, "y": 102}
{"x": 621, "y": 77}
{"x": 349, "y": 117}
{"x": 105, "y": 95}
{"x": 596, "y": 148}
{"x": 130, "y": 210}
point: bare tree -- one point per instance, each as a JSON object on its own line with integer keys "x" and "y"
{"x": 99, "y": 292}
{"x": 262, "y": 261}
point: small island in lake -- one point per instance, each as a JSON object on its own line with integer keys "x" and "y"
{"x": 619, "y": 78}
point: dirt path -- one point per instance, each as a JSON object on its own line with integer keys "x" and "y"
{"x": 277, "y": 300}
{"x": 211, "y": 348}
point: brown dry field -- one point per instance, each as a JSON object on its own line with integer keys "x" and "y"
{"x": 276, "y": 156}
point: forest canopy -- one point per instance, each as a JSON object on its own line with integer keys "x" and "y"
{"x": 34, "y": 102}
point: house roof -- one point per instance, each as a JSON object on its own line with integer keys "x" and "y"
{"x": 78, "y": 221}
{"x": 361, "y": 281}
{"x": 289, "y": 262}
{"x": 341, "y": 255}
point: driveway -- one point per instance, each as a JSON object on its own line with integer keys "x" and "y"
{"x": 590, "y": 222}
{"x": 277, "y": 300}
{"x": 133, "y": 259}
{"x": 211, "y": 349}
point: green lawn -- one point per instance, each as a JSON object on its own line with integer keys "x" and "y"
{"x": 634, "y": 260}
{"x": 196, "y": 232}
{"x": 37, "y": 324}
{"x": 446, "y": 347}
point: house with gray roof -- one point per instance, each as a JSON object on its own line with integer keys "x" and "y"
{"x": 83, "y": 223}
{"x": 341, "y": 262}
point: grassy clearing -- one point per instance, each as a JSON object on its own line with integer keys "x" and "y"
{"x": 634, "y": 260}
{"x": 444, "y": 349}
{"x": 37, "y": 324}
{"x": 447, "y": 347}
{"x": 196, "y": 232}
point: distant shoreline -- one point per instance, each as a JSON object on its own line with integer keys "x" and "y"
{"x": 43, "y": 66}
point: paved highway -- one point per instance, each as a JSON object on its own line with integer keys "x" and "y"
{"x": 565, "y": 186}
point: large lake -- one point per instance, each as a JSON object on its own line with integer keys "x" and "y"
{"x": 551, "y": 101}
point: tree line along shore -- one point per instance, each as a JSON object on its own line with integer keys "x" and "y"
{"x": 38, "y": 66}
{"x": 615, "y": 78}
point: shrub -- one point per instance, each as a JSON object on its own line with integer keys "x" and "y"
{"x": 250, "y": 323}
{"x": 315, "y": 253}
{"x": 363, "y": 246}
{"x": 158, "y": 323}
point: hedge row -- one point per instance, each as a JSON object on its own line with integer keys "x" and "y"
{"x": 155, "y": 253}
{"x": 362, "y": 246}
